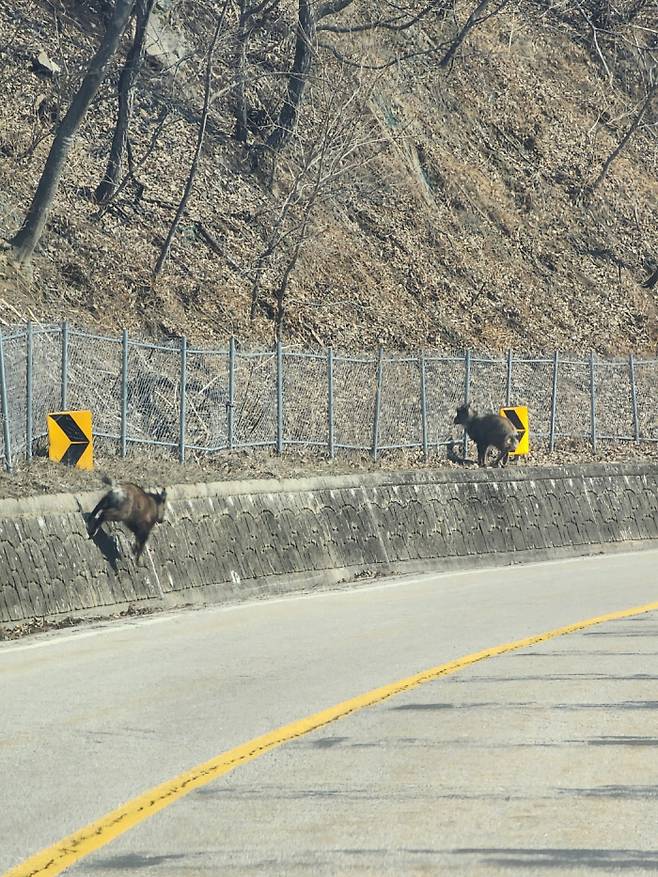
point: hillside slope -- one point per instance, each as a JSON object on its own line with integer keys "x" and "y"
{"x": 463, "y": 224}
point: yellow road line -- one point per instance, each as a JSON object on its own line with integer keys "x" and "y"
{"x": 71, "y": 849}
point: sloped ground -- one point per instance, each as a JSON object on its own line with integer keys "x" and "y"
{"x": 471, "y": 234}
{"x": 467, "y": 230}
{"x": 42, "y": 476}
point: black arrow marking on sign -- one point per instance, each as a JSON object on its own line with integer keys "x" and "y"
{"x": 73, "y": 453}
{"x": 511, "y": 414}
{"x": 73, "y": 432}
{"x": 70, "y": 428}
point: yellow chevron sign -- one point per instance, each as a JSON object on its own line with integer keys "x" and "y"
{"x": 518, "y": 416}
{"x": 70, "y": 439}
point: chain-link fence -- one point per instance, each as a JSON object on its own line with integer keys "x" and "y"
{"x": 180, "y": 399}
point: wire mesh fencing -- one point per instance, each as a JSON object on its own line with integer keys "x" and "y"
{"x": 174, "y": 399}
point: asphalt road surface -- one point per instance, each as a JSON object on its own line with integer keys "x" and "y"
{"x": 540, "y": 759}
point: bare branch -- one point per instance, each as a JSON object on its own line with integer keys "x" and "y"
{"x": 399, "y": 22}
{"x": 26, "y": 239}
{"x": 197, "y": 152}
{"x": 476, "y": 17}
{"x": 635, "y": 124}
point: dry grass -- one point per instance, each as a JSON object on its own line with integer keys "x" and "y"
{"x": 465, "y": 232}
{"x": 470, "y": 235}
{"x": 43, "y": 476}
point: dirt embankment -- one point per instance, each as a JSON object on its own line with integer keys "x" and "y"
{"x": 43, "y": 476}
{"x": 466, "y": 230}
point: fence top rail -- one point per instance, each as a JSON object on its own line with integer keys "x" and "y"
{"x": 21, "y": 328}
{"x": 584, "y": 361}
{"x": 483, "y": 359}
{"x": 387, "y": 359}
{"x": 207, "y": 351}
{"x": 364, "y": 360}
{"x": 174, "y": 347}
{"x": 600, "y": 361}
{"x": 613, "y": 363}
{"x": 432, "y": 357}
{"x": 114, "y": 339}
{"x": 12, "y": 336}
{"x": 300, "y": 354}
{"x": 255, "y": 354}
{"x": 565, "y": 358}
{"x": 46, "y": 329}
{"x": 395, "y": 360}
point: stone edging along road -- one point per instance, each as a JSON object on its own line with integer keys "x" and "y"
{"x": 237, "y": 540}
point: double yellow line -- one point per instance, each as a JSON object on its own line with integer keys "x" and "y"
{"x": 81, "y": 843}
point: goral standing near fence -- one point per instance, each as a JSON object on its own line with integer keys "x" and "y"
{"x": 180, "y": 398}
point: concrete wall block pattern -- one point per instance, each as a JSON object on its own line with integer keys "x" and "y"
{"x": 233, "y": 540}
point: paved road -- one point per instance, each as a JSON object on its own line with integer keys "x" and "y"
{"x": 540, "y": 760}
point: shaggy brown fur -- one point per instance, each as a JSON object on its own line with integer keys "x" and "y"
{"x": 488, "y": 430}
{"x": 138, "y": 509}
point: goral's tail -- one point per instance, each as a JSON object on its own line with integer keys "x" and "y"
{"x": 116, "y": 494}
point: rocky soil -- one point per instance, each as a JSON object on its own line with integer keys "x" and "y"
{"x": 43, "y": 476}
{"x": 468, "y": 228}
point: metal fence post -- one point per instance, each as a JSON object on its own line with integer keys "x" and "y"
{"x": 592, "y": 387}
{"x": 551, "y": 441}
{"x": 508, "y": 390}
{"x": 65, "y": 366}
{"x": 423, "y": 406}
{"x": 29, "y": 389}
{"x": 5, "y": 406}
{"x": 183, "y": 385}
{"x": 124, "y": 393}
{"x": 279, "y": 397}
{"x": 378, "y": 402}
{"x": 330, "y": 402}
{"x": 636, "y": 413}
{"x": 231, "y": 394}
{"x": 467, "y": 394}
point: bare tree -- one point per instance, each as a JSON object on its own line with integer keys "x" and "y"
{"x": 242, "y": 37}
{"x": 247, "y": 19}
{"x": 478, "y": 15}
{"x": 126, "y": 90}
{"x": 301, "y": 65}
{"x": 311, "y": 16}
{"x": 638, "y": 119}
{"x": 329, "y": 18}
{"x": 207, "y": 96}
{"x": 338, "y": 143}
{"x": 29, "y": 234}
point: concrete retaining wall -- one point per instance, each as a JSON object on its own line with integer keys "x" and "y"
{"x": 233, "y": 540}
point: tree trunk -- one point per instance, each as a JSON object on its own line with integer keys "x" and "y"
{"x": 241, "y": 129}
{"x": 651, "y": 281}
{"x": 472, "y": 20}
{"x": 304, "y": 46}
{"x": 164, "y": 252}
{"x": 126, "y": 91}
{"x": 26, "y": 239}
{"x": 627, "y": 136}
